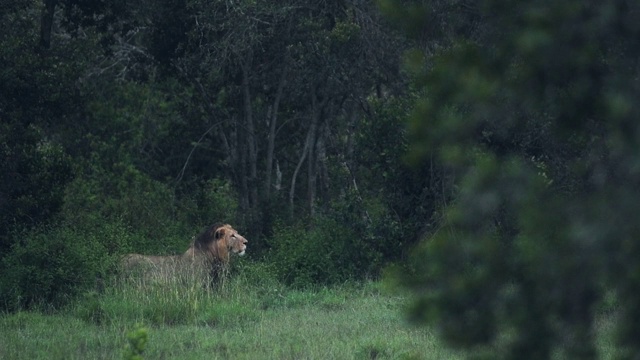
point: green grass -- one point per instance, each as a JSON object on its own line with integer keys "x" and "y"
{"x": 248, "y": 318}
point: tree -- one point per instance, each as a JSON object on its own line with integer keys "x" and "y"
{"x": 269, "y": 69}
{"x": 531, "y": 105}
{"x": 81, "y": 13}
{"x": 153, "y": 116}
{"x": 36, "y": 94}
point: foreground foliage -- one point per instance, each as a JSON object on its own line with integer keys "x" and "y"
{"x": 532, "y": 106}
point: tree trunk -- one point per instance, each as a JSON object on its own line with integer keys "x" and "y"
{"x": 46, "y": 23}
{"x": 241, "y": 154}
{"x": 250, "y": 138}
{"x": 322, "y": 170}
{"x": 272, "y": 133}
{"x": 317, "y": 108}
{"x": 294, "y": 177}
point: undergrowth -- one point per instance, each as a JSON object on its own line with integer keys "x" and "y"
{"x": 248, "y": 315}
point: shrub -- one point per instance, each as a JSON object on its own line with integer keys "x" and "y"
{"x": 379, "y": 235}
{"x": 137, "y": 343}
{"x": 217, "y": 202}
{"x": 33, "y": 174}
{"x": 132, "y": 201}
{"x": 50, "y": 266}
{"x": 354, "y": 239}
{"x": 131, "y": 197}
{"x": 328, "y": 253}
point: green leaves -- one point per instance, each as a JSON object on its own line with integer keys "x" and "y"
{"x": 138, "y": 339}
{"x": 529, "y": 112}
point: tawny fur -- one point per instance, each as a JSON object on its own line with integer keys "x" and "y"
{"x": 211, "y": 249}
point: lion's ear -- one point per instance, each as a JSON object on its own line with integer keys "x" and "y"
{"x": 219, "y": 234}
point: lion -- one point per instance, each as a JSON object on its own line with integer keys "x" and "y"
{"x": 210, "y": 251}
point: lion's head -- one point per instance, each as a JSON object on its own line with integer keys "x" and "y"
{"x": 217, "y": 242}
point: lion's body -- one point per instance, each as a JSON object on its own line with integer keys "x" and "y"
{"x": 209, "y": 252}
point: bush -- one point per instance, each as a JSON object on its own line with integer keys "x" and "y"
{"x": 33, "y": 174}
{"x": 51, "y": 266}
{"x": 217, "y": 202}
{"x": 329, "y": 253}
{"x": 131, "y": 197}
{"x": 137, "y": 343}
{"x": 134, "y": 201}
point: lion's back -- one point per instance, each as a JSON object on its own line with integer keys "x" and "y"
{"x": 134, "y": 261}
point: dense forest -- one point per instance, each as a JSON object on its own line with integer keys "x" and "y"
{"x": 483, "y": 152}
{"x": 136, "y": 124}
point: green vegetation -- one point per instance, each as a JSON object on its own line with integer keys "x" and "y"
{"x": 530, "y": 105}
{"x": 252, "y": 317}
{"x": 137, "y": 342}
{"x": 485, "y": 151}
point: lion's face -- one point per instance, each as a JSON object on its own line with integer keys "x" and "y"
{"x": 234, "y": 241}
{"x": 238, "y": 243}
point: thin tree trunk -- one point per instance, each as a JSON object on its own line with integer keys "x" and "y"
{"x": 241, "y": 152}
{"x": 46, "y": 23}
{"x": 312, "y": 164}
{"x": 272, "y": 133}
{"x": 251, "y": 137}
{"x": 322, "y": 170}
{"x": 294, "y": 177}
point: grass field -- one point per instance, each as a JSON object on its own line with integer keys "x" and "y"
{"x": 245, "y": 319}
{"x": 250, "y": 316}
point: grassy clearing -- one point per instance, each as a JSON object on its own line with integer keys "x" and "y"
{"x": 249, "y": 317}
